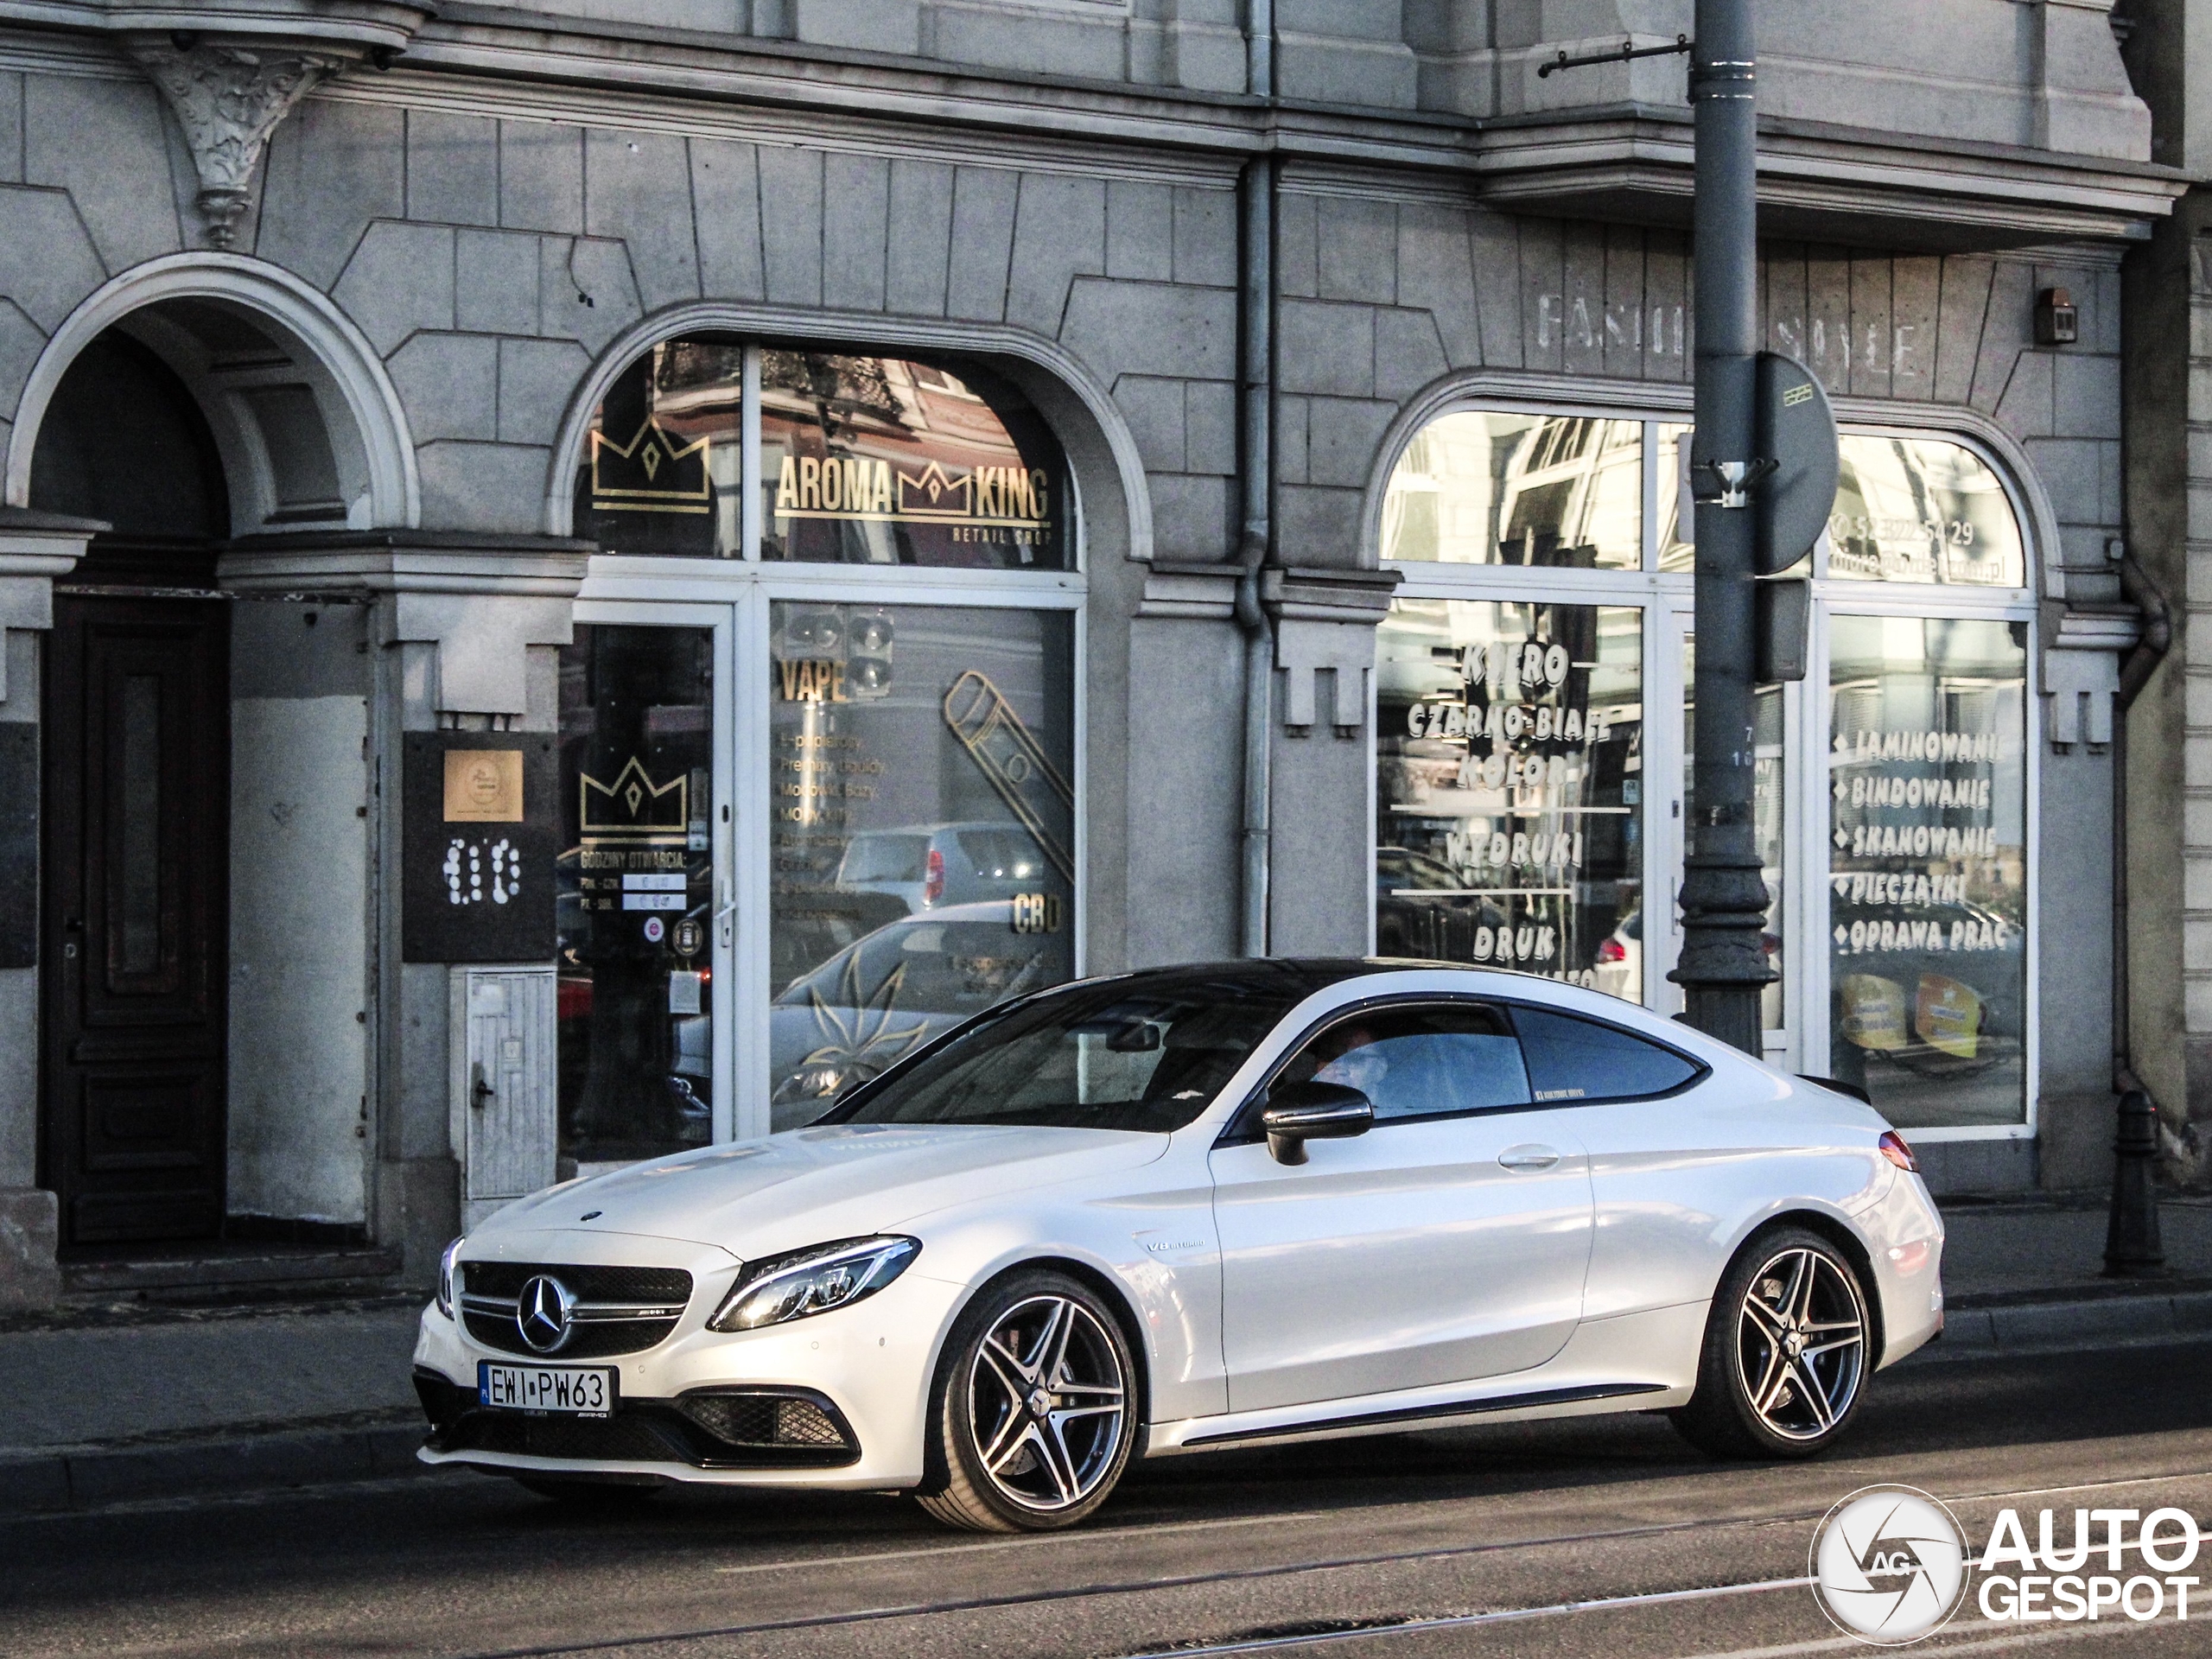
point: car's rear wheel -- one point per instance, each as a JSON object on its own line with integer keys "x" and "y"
{"x": 1032, "y": 1416}
{"x": 1788, "y": 1346}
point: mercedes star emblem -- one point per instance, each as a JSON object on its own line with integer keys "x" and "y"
{"x": 542, "y": 1311}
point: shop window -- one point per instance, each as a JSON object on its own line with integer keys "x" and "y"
{"x": 634, "y": 892}
{"x": 1508, "y": 788}
{"x": 1487, "y": 487}
{"x": 1928, "y": 894}
{"x": 922, "y": 838}
{"x": 882, "y": 461}
{"x": 1922, "y": 510}
{"x": 863, "y": 460}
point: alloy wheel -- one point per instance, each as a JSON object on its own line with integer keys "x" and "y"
{"x": 1048, "y": 1403}
{"x": 1800, "y": 1345}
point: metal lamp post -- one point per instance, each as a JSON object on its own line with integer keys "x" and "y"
{"x": 1723, "y": 968}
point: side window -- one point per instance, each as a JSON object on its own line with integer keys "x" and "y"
{"x": 1571, "y": 1058}
{"x": 1420, "y": 1062}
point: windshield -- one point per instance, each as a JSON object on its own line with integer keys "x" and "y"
{"x": 1121, "y": 1054}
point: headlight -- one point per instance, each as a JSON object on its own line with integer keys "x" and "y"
{"x": 447, "y": 1264}
{"x": 813, "y": 1281}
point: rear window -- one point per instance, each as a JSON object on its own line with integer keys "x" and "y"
{"x": 885, "y": 858}
{"x": 1570, "y": 1059}
{"x": 1003, "y": 854}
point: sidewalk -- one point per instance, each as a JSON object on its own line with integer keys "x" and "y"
{"x": 107, "y": 1404}
{"x": 114, "y": 1403}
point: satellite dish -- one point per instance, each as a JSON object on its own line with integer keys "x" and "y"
{"x": 1797, "y": 430}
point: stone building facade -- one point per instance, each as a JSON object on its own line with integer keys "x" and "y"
{"x": 562, "y": 565}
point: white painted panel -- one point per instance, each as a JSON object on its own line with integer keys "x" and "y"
{"x": 299, "y": 958}
{"x": 512, "y": 1090}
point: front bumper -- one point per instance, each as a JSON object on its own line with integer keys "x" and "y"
{"x": 864, "y": 1369}
{"x": 708, "y": 1430}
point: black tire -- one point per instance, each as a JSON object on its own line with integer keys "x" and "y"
{"x": 591, "y": 1494}
{"x": 1033, "y": 1414}
{"x": 1788, "y": 1350}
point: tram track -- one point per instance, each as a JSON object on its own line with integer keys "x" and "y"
{"x": 1109, "y": 1588}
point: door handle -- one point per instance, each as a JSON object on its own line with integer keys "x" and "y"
{"x": 481, "y": 1092}
{"x": 1529, "y": 1158}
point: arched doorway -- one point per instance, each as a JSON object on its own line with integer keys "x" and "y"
{"x": 134, "y": 811}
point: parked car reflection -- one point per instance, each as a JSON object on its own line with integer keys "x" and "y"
{"x": 885, "y": 995}
{"x": 933, "y": 865}
{"x": 1423, "y": 911}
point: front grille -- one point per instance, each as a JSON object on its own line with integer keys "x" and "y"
{"x": 667, "y": 1285}
{"x": 707, "y": 1431}
{"x": 601, "y": 1341}
{"x": 601, "y": 1331}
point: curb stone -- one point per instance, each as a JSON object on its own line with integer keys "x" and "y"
{"x": 87, "y": 1478}
{"x": 1974, "y": 1329}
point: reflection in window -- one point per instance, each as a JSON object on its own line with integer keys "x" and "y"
{"x": 1922, "y": 510}
{"x": 1928, "y": 897}
{"x": 1483, "y": 487}
{"x": 1676, "y": 551}
{"x": 1508, "y": 788}
{"x": 634, "y": 893}
{"x": 864, "y": 460}
{"x": 879, "y": 461}
{"x": 659, "y": 470}
{"x": 921, "y": 795}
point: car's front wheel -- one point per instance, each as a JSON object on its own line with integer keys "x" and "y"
{"x": 1032, "y": 1416}
{"x": 1787, "y": 1350}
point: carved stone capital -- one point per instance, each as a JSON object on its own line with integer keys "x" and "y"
{"x": 229, "y": 96}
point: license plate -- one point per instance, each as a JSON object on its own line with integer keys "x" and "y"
{"x": 569, "y": 1390}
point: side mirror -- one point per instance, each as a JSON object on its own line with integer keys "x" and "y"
{"x": 1298, "y": 1112}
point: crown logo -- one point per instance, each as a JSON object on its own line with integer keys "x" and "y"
{"x": 635, "y": 807}
{"x": 935, "y": 493}
{"x": 655, "y": 472}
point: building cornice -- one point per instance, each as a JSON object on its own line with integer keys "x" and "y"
{"x": 1826, "y": 183}
{"x": 1627, "y": 163}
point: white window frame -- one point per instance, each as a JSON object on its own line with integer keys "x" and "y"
{"x": 734, "y": 597}
{"x": 1801, "y": 1044}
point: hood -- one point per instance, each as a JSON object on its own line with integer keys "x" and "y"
{"x": 757, "y": 1197}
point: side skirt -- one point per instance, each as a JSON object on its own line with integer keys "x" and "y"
{"x": 1535, "y": 1401}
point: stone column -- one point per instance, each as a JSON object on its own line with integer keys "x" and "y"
{"x": 1323, "y": 753}
{"x": 34, "y": 549}
{"x": 464, "y": 632}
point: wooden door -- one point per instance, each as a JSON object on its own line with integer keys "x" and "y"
{"x": 134, "y": 936}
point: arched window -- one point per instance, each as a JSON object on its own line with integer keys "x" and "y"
{"x": 1530, "y": 791}
{"x": 857, "y": 460}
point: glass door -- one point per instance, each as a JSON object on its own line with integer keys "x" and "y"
{"x": 644, "y": 883}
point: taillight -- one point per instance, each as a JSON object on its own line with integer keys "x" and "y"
{"x": 1894, "y": 1148}
{"x": 933, "y": 878}
{"x": 1611, "y": 950}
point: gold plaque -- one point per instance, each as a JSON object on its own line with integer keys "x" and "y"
{"x": 483, "y": 785}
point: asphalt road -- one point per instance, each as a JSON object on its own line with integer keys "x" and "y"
{"x": 1405, "y": 1547}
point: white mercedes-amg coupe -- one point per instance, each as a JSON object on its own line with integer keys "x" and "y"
{"x": 1199, "y": 1207}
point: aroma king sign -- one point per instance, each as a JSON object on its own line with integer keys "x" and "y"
{"x": 861, "y": 487}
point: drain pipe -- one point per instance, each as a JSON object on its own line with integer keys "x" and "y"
{"x": 1255, "y": 394}
{"x": 2136, "y": 588}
